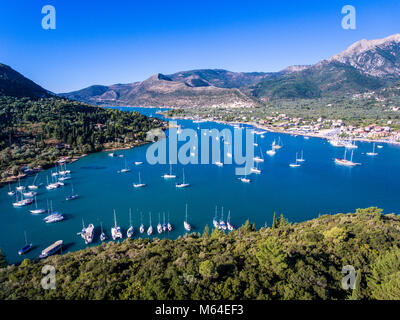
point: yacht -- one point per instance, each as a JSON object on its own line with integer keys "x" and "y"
{"x": 10, "y": 192}
{"x": 164, "y": 225}
{"x": 344, "y": 162}
{"x": 53, "y": 216}
{"x": 215, "y": 220}
{"x": 222, "y": 224}
{"x": 138, "y": 163}
{"x": 116, "y": 230}
{"x": 228, "y": 222}
{"x": 73, "y": 195}
{"x": 219, "y": 164}
{"x": 87, "y": 233}
{"x": 141, "y": 228}
{"x": 373, "y": 153}
{"x": 130, "y": 231}
{"x": 33, "y": 186}
{"x": 302, "y": 157}
{"x": 186, "y": 224}
{"x": 37, "y": 211}
{"x": 245, "y": 180}
{"x": 30, "y": 194}
{"x": 296, "y": 164}
{"x": 140, "y": 184}
{"x": 169, "y": 225}
{"x": 150, "y": 229}
{"x": 159, "y": 227}
{"x": 278, "y": 145}
{"x": 26, "y": 248}
{"x": 103, "y": 236}
{"x": 126, "y": 169}
{"x": 170, "y": 175}
{"x": 183, "y": 184}
{"x": 55, "y": 247}
{"x": 20, "y": 188}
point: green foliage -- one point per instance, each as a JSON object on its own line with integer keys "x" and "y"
{"x": 385, "y": 276}
{"x": 3, "y": 261}
{"x": 38, "y": 132}
{"x": 300, "y": 261}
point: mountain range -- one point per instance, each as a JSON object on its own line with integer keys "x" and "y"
{"x": 364, "y": 66}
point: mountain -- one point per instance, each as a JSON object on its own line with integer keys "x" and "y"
{"x": 15, "y": 84}
{"x": 376, "y": 58}
{"x": 178, "y": 90}
{"x": 366, "y": 65}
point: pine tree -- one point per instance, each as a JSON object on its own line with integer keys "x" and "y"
{"x": 274, "y": 222}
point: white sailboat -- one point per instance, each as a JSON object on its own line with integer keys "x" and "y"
{"x": 186, "y": 224}
{"x": 116, "y": 230}
{"x": 245, "y": 179}
{"x": 296, "y": 164}
{"x": 103, "y": 236}
{"x": 272, "y": 151}
{"x": 33, "y": 186}
{"x": 20, "y": 188}
{"x": 141, "y": 228}
{"x": 222, "y": 224}
{"x": 373, "y": 153}
{"x": 170, "y": 175}
{"x": 258, "y": 158}
{"x": 126, "y": 169}
{"x": 345, "y": 162}
{"x": 228, "y": 222}
{"x": 302, "y": 157}
{"x": 37, "y": 211}
{"x": 164, "y": 225}
{"x": 159, "y": 227}
{"x": 140, "y": 184}
{"x": 10, "y": 192}
{"x": 150, "y": 229}
{"x": 215, "y": 220}
{"x": 169, "y": 225}
{"x": 183, "y": 184}
{"x": 130, "y": 231}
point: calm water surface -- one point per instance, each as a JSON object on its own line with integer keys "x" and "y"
{"x": 317, "y": 187}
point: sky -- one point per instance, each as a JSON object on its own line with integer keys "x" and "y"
{"x": 108, "y": 42}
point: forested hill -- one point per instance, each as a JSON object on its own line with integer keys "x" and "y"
{"x": 285, "y": 261}
{"x": 35, "y": 133}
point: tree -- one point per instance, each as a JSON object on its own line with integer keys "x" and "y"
{"x": 207, "y": 269}
{"x": 271, "y": 255}
{"x": 274, "y": 222}
{"x": 385, "y": 276}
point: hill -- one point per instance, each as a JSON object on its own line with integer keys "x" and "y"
{"x": 299, "y": 261}
{"x": 15, "y": 84}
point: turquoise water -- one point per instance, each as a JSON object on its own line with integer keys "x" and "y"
{"x": 317, "y": 187}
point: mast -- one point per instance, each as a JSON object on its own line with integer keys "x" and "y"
{"x": 186, "y": 214}
{"x": 115, "y": 220}
{"x": 26, "y": 241}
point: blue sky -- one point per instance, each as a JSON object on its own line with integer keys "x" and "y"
{"x": 107, "y": 42}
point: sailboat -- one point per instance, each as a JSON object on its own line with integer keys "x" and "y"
{"x": 256, "y": 169}
{"x": 215, "y": 220}
{"x": 150, "y": 229}
{"x": 345, "y": 162}
{"x": 130, "y": 231}
{"x": 103, "y": 236}
{"x": 37, "y": 211}
{"x": 228, "y": 222}
{"x": 73, "y": 195}
{"x": 296, "y": 164}
{"x": 164, "y": 225}
{"x": 159, "y": 227}
{"x": 169, "y": 225}
{"x": 219, "y": 164}
{"x": 279, "y": 145}
{"x": 170, "y": 175}
{"x": 222, "y": 224}
{"x": 126, "y": 169}
{"x": 245, "y": 179}
{"x": 140, "y": 184}
{"x": 141, "y": 228}
{"x": 10, "y": 192}
{"x": 272, "y": 151}
{"x": 53, "y": 216}
{"x": 87, "y": 233}
{"x": 186, "y": 224}
{"x": 116, "y": 230}
{"x": 258, "y": 158}
{"x": 302, "y": 157}
{"x": 373, "y": 153}
{"x": 183, "y": 184}
{"x": 33, "y": 186}
{"x": 20, "y": 188}
{"x": 27, "y": 247}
